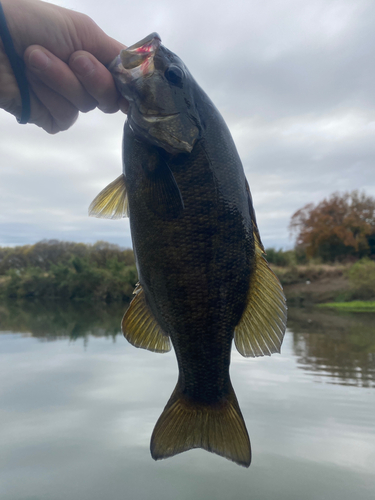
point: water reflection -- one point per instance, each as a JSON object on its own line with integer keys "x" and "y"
{"x": 340, "y": 346}
{"x": 54, "y": 320}
{"x": 76, "y": 422}
{"x": 326, "y": 343}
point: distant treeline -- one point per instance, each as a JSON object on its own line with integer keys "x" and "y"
{"x": 284, "y": 258}
{"x": 61, "y": 270}
{"x": 106, "y": 273}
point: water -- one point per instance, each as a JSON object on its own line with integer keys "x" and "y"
{"x": 78, "y": 405}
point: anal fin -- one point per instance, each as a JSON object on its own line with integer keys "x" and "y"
{"x": 140, "y": 327}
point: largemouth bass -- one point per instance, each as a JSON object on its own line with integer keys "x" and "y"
{"x": 203, "y": 278}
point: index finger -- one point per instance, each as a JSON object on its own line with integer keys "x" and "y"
{"x": 96, "y": 79}
{"x": 57, "y": 75}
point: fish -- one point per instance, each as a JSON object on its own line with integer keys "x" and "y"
{"x": 203, "y": 276}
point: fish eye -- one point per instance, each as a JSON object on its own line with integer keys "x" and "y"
{"x": 174, "y": 74}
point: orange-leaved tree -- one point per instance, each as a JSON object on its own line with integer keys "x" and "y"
{"x": 339, "y": 227}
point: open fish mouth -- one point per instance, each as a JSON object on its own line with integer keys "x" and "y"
{"x": 145, "y": 46}
{"x": 137, "y": 60}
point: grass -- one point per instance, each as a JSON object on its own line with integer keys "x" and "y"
{"x": 353, "y": 306}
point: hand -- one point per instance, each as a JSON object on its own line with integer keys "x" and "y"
{"x": 66, "y": 55}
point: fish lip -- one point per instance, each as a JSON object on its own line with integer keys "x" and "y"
{"x": 151, "y": 41}
{"x": 114, "y": 65}
{"x": 140, "y": 56}
{"x": 158, "y": 118}
{"x": 136, "y": 61}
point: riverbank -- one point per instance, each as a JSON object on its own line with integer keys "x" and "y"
{"x": 311, "y": 284}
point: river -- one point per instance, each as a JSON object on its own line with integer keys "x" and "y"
{"x": 78, "y": 405}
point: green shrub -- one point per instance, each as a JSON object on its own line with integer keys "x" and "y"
{"x": 362, "y": 278}
{"x": 280, "y": 258}
{"x": 287, "y": 275}
{"x": 102, "y": 272}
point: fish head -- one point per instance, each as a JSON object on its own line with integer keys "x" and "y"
{"x": 160, "y": 91}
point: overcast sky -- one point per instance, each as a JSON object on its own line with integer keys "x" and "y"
{"x": 295, "y": 81}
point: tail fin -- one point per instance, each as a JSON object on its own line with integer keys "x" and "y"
{"x": 219, "y": 428}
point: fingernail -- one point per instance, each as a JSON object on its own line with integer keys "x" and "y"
{"x": 39, "y": 60}
{"x": 82, "y": 65}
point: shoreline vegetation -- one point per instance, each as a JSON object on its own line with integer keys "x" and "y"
{"x": 106, "y": 273}
{"x": 66, "y": 271}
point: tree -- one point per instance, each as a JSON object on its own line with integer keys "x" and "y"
{"x": 338, "y": 228}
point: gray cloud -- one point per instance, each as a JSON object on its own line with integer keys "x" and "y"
{"x": 294, "y": 82}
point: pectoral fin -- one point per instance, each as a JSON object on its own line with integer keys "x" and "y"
{"x": 140, "y": 327}
{"x": 261, "y": 329}
{"x": 112, "y": 201}
{"x": 163, "y": 196}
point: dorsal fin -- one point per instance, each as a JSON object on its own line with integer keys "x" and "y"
{"x": 112, "y": 201}
{"x": 140, "y": 327}
{"x": 261, "y": 329}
